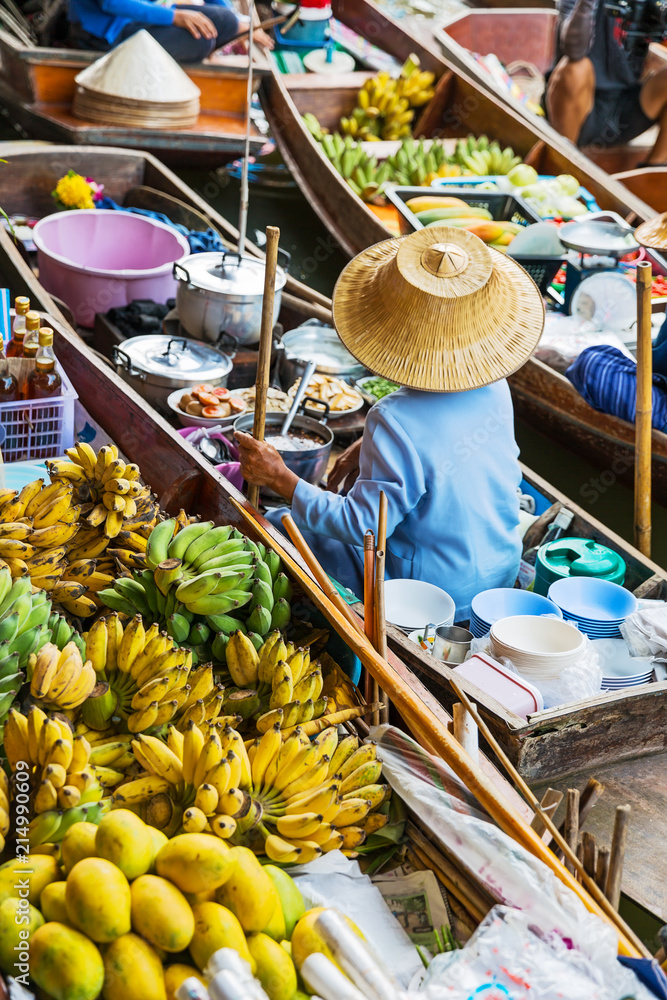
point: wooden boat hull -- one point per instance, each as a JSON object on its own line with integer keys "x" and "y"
{"x": 37, "y": 86}
{"x": 459, "y": 107}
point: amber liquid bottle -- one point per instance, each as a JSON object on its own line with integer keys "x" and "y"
{"x": 22, "y": 310}
{"x": 9, "y": 387}
{"x": 45, "y": 380}
{"x": 31, "y": 339}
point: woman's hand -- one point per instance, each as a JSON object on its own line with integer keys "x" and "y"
{"x": 346, "y": 468}
{"x": 262, "y": 465}
{"x": 198, "y": 24}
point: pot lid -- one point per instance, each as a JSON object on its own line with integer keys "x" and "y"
{"x": 176, "y": 358}
{"x": 315, "y": 342}
{"x": 228, "y": 273}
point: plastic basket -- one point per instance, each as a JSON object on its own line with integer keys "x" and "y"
{"x": 39, "y": 428}
{"x": 589, "y": 202}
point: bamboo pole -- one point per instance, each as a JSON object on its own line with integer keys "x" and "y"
{"x": 617, "y": 855}
{"x": 602, "y": 868}
{"x": 590, "y": 856}
{"x": 265, "y": 340}
{"x": 549, "y": 802}
{"x": 644, "y": 410}
{"x": 410, "y": 706}
{"x": 380, "y": 616}
{"x": 465, "y": 730}
{"x": 572, "y": 824}
{"x": 370, "y": 686}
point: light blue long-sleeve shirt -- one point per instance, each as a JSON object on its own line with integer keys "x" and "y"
{"x": 448, "y": 464}
{"x": 107, "y": 18}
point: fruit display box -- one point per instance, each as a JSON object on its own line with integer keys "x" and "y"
{"x": 37, "y": 428}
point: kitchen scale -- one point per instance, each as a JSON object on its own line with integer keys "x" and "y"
{"x": 595, "y": 286}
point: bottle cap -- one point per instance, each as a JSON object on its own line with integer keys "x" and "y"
{"x": 46, "y": 337}
{"x": 32, "y": 320}
{"x": 21, "y": 304}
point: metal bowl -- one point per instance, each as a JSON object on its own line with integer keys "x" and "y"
{"x": 309, "y": 465}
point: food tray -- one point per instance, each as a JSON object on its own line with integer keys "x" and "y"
{"x": 360, "y": 386}
{"x": 39, "y": 428}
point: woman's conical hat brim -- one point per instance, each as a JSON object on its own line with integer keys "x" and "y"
{"x": 438, "y": 310}
{"x": 653, "y": 234}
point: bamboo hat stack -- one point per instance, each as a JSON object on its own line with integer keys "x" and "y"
{"x": 653, "y": 233}
{"x": 438, "y": 310}
{"x": 138, "y": 85}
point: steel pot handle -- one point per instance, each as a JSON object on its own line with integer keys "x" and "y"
{"x": 227, "y": 343}
{"x": 175, "y": 340}
{"x": 315, "y": 414}
{"x": 180, "y": 272}
{"x": 123, "y": 360}
{"x": 287, "y": 257}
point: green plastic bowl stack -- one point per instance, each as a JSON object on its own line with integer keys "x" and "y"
{"x": 576, "y": 557}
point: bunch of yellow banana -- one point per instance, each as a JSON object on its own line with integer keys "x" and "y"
{"x": 146, "y": 679}
{"x": 110, "y": 494}
{"x": 337, "y": 687}
{"x": 279, "y": 684}
{"x": 4, "y": 808}
{"x": 385, "y": 106}
{"x": 61, "y": 680}
{"x": 58, "y": 760}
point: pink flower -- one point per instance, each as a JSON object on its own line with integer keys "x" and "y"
{"x": 97, "y": 190}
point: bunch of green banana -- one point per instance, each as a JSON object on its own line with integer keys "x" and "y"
{"x": 482, "y": 158}
{"x": 202, "y": 583}
{"x": 50, "y": 827}
{"x": 4, "y": 808}
{"x": 386, "y": 106}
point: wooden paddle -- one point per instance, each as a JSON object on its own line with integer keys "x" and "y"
{"x": 644, "y": 410}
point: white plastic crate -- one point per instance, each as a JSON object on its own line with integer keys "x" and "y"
{"x": 39, "y": 428}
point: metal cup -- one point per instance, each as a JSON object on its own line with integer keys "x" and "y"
{"x": 451, "y": 644}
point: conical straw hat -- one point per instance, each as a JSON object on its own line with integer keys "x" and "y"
{"x": 438, "y": 310}
{"x": 653, "y": 233}
{"x": 139, "y": 70}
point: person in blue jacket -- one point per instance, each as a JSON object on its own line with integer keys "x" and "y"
{"x": 447, "y": 318}
{"x": 189, "y": 33}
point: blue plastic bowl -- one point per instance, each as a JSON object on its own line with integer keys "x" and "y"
{"x": 505, "y": 602}
{"x": 592, "y": 602}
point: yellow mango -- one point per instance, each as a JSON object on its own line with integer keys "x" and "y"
{"x": 43, "y": 868}
{"x": 132, "y": 970}
{"x": 306, "y": 939}
{"x": 195, "y": 862}
{"x": 159, "y": 840}
{"x": 77, "y": 844}
{"x": 216, "y": 927}
{"x": 291, "y": 900}
{"x": 18, "y": 922}
{"x": 276, "y": 928}
{"x": 52, "y": 902}
{"x": 249, "y": 892}
{"x": 275, "y": 969}
{"x": 65, "y": 963}
{"x": 98, "y": 899}
{"x": 124, "y": 839}
{"x": 161, "y": 913}
{"x": 174, "y": 975}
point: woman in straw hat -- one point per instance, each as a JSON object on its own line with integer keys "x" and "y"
{"x": 447, "y": 318}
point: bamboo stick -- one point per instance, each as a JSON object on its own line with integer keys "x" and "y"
{"x": 470, "y": 893}
{"x": 602, "y": 868}
{"x": 444, "y": 745}
{"x": 572, "y": 823}
{"x": 465, "y": 730}
{"x": 319, "y": 573}
{"x": 371, "y": 690}
{"x": 644, "y": 410}
{"x": 586, "y": 800}
{"x": 549, "y": 802}
{"x": 617, "y": 855}
{"x": 380, "y": 616}
{"x": 589, "y": 853}
{"x": 265, "y": 339}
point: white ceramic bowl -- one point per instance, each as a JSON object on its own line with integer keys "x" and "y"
{"x": 413, "y": 604}
{"x": 538, "y": 647}
{"x": 187, "y": 420}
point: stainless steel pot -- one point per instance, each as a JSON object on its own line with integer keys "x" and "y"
{"x": 309, "y": 465}
{"x": 222, "y": 293}
{"x": 156, "y": 364}
{"x": 315, "y": 341}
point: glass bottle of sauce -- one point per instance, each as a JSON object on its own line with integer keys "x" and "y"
{"x": 31, "y": 339}
{"x": 9, "y": 387}
{"x": 44, "y": 381}
{"x": 15, "y": 344}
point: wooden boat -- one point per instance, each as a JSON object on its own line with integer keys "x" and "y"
{"x": 459, "y": 107}
{"x": 37, "y": 87}
{"x": 527, "y": 36}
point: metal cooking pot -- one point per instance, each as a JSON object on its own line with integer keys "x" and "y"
{"x": 222, "y": 293}
{"x": 309, "y": 465}
{"x": 156, "y": 364}
{"x": 315, "y": 341}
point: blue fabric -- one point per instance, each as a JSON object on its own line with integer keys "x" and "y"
{"x": 107, "y": 18}
{"x": 649, "y": 972}
{"x": 179, "y": 43}
{"x": 607, "y": 380}
{"x": 199, "y": 242}
{"x": 448, "y": 464}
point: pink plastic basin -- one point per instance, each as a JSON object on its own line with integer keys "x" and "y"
{"x": 100, "y": 259}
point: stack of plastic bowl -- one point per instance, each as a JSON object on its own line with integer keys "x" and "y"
{"x": 503, "y": 602}
{"x": 539, "y": 648}
{"x": 619, "y": 669}
{"x": 413, "y": 604}
{"x": 596, "y": 607}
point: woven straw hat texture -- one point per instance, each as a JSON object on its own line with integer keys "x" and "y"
{"x": 653, "y": 233}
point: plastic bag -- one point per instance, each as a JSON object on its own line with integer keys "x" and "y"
{"x": 506, "y": 960}
{"x": 645, "y": 632}
{"x": 582, "y": 679}
{"x": 565, "y": 337}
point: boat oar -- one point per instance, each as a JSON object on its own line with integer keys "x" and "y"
{"x": 265, "y": 340}
{"x": 417, "y": 712}
{"x": 245, "y": 196}
{"x": 644, "y": 410}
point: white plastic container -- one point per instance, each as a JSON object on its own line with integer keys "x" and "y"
{"x": 514, "y": 692}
